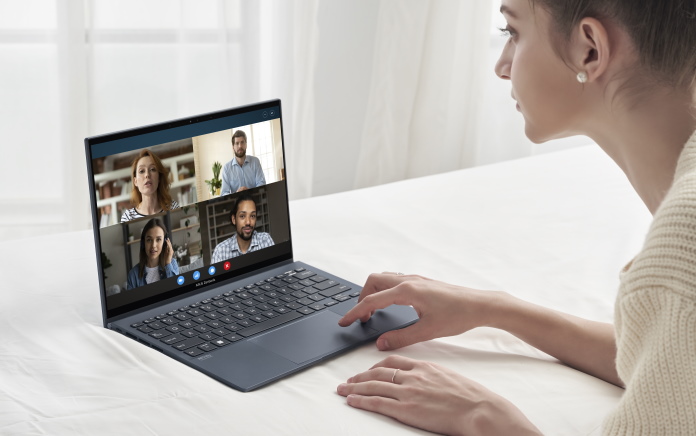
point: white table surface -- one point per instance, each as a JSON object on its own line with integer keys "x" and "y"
{"x": 553, "y": 229}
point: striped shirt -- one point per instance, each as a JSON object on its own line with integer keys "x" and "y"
{"x": 133, "y": 214}
{"x": 230, "y": 248}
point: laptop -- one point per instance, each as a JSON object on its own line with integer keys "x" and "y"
{"x": 194, "y": 250}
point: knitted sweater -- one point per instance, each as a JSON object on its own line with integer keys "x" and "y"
{"x": 655, "y": 318}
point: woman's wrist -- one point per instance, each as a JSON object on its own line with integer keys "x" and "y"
{"x": 498, "y": 416}
{"x": 496, "y": 308}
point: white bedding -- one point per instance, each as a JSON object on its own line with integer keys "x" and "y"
{"x": 553, "y": 229}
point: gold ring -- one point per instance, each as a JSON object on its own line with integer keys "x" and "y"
{"x": 394, "y": 375}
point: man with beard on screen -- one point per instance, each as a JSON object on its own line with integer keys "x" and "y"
{"x": 243, "y": 172}
{"x": 245, "y": 239}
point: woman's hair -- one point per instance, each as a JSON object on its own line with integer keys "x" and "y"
{"x": 663, "y": 31}
{"x": 154, "y": 222}
{"x": 164, "y": 198}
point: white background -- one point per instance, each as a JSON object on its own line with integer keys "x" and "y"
{"x": 373, "y": 91}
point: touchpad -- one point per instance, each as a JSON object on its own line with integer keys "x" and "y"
{"x": 314, "y": 336}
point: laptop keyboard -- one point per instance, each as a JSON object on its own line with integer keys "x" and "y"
{"x": 214, "y": 323}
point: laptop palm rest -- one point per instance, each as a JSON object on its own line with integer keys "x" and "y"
{"x": 316, "y": 336}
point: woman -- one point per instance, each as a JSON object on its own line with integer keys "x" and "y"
{"x": 625, "y": 76}
{"x": 156, "y": 256}
{"x": 150, "y": 192}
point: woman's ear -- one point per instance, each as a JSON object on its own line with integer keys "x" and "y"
{"x": 590, "y": 48}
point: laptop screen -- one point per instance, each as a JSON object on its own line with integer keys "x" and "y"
{"x": 182, "y": 205}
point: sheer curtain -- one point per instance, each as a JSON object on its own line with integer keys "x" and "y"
{"x": 373, "y": 91}
{"x": 78, "y": 68}
{"x": 425, "y": 97}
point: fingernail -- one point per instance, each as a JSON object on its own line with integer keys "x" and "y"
{"x": 341, "y": 388}
{"x": 382, "y": 344}
{"x": 350, "y": 380}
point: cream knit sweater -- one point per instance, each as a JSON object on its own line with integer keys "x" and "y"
{"x": 655, "y": 319}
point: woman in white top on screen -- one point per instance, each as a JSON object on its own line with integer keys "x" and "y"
{"x": 623, "y": 73}
{"x": 150, "y": 194}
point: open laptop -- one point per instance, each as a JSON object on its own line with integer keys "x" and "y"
{"x": 209, "y": 279}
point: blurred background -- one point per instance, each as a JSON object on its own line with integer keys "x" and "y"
{"x": 373, "y": 91}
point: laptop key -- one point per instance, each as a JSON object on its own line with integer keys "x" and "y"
{"x": 325, "y": 284}
{"x": 193, "y": 352}
{"x": 173, "y": 339}
{"x": 334, "y": 290}
{"x": 317, "y": 279}
{"x": 305, "y": 301}
{"x": 232, "y": 337}
{"x": 175, "y": 328}
{"x": 304, "y": 275}
{"x": 215, "y": 324}
{"x": 220, "y": 342}
{"x": 269, "y": 324}
{"x": 208, "y": 336}
{"x": 317, "y": 306}
{"x": 257, "y": 318}
{"x": 145, "y": 329}
{"x": 305, "y": 310}
{"x": 293, "y": 305}
{"x": 189, "y": 333}
{"x": 160, "y": 334}
{"x": 188, "y": 343}
{"x": 202, "y": 328}
{"x": 206, "y": 347}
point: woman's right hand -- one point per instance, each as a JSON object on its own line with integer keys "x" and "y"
{"x": 443, "y": 309}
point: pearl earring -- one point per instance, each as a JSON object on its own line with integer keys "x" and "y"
{"x": 582, "y": 77}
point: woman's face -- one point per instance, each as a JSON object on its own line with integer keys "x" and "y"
{"x": 154, "y": 242}
{"x": 146, "y": 176}
{"x": 547, "y": 92}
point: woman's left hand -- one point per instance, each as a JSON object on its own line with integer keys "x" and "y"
{"x": 434, "y": 398}
{"x": 168, "y": 251}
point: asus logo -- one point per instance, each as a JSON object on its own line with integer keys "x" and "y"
{"x": 207, "y": 356}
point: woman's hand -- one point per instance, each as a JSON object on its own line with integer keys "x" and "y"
{"x": 168, "y": 251}
{"x": 444, "y": 309}
{"x": 428, "y": 396}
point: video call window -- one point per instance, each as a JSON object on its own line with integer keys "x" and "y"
{"x": 168, "y": 201}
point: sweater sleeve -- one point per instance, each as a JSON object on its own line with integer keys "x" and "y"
{"x": 655, "y": 319}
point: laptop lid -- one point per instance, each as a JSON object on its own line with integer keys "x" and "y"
{"x": 182, "y": 205}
